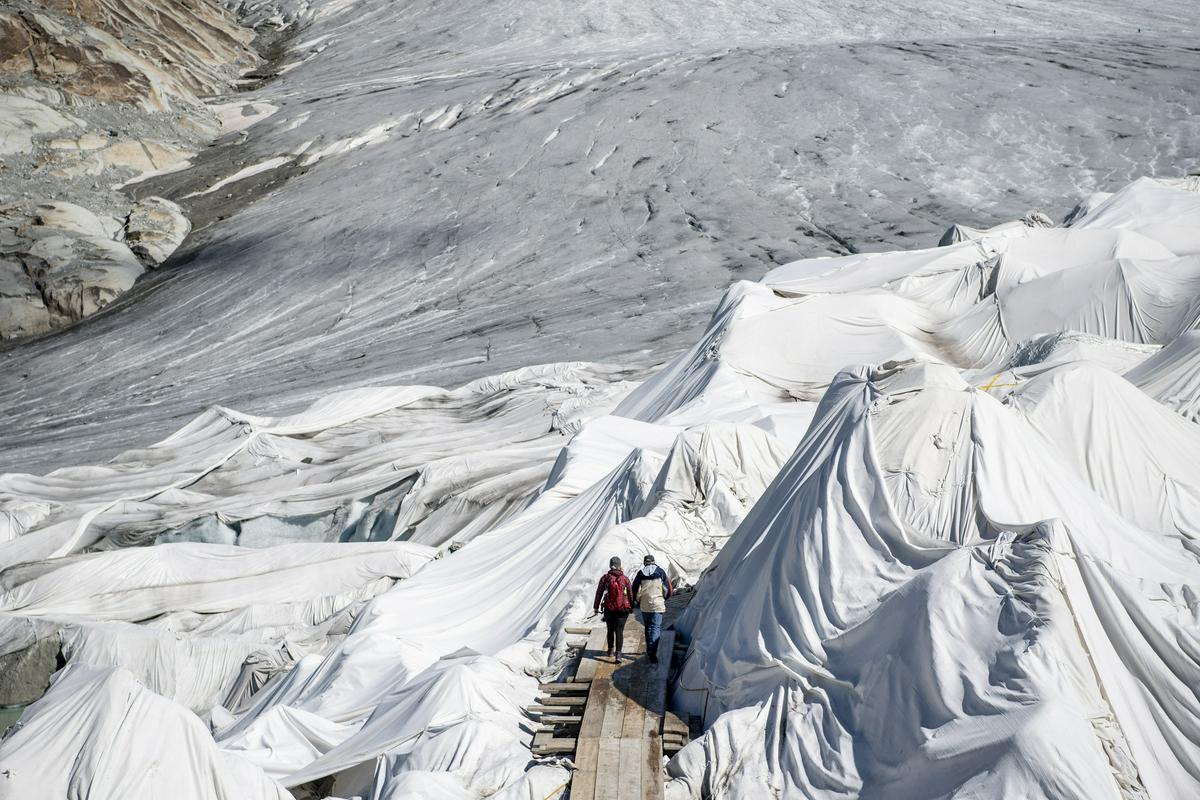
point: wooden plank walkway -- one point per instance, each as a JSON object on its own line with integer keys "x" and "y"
{"x": 613, "y": 718}
{"x": 619, "y": 752}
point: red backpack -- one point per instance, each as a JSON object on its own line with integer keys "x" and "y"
{"x": 617, "y": 591}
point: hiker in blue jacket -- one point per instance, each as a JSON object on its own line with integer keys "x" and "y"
{"x": 651, "y": 588}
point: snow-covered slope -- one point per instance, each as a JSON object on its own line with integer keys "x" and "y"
{"x": 940, "y": 506}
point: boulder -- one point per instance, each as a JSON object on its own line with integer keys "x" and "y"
{"x": 22, "y": 310}
{"x": 155, "y": 228}
{"x": 25, "y": 673}
{"x": 59, "y": 265}
{"x": 74, "y": 219}
{"x": 22, "y": 119}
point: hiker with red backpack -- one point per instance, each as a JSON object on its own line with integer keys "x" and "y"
{"x": 616, "y": 595}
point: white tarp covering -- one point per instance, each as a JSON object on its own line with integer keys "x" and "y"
{"x": 99, "y": 733}
{"x": 955, "y": 548}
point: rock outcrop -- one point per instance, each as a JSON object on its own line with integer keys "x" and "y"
{"x": 94, "y": 95}
{"x": 63, "y": 262}
{"x": 155, "y": 55}
{"x": 154, "y": 229}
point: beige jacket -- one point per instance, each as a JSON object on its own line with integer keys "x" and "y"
{"x": 650, "y": 596}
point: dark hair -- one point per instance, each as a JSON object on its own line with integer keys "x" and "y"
{"x": 614, "y": 562}
{"x": 649, "y": 559}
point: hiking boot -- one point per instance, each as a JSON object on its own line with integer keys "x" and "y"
{"x": 610, "y": 654}
{"x": 618, "y": 661}
{"x": 654, "y": 658}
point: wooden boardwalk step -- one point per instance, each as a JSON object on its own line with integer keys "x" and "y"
{"x": 595, "y": 650}
{"x": 561, "y": 719}
{"x": 674, "y": 722}
{"x": 572, "y": 687}
{"x": 545, "y": 744}
{"x": 564, "y": 700}
{"x": 619, "y": 750}
{"x": 612, "y": 718}
{"x": 675, "y": 732}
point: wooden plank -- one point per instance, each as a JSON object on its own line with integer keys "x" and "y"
{"x": 629, "y": 772}
{"x": 673, "y": 722}
{"x": 545, "y": 744}
{"x": 593, "y": 712}
{"x": 583, "y": 780}
{"x": 651, "y": 769}
{"x": 635, "y": 702}
{"x": 628, "y": 776}
{"x": 554, "y": 709}
{"x": 573, "y": 687}
{"x": 609, "y": 704}
{"x": 578, "y": 629}
{"x": 564, "y": 700}
{"x": 665, "y": 644}
{"x": 561, "y": 719}
{"x": 557, "y": 732}
{"x": 652, "y": 774}
{"x": 590, "y": 662}
{"x": 635, "y": 637}
{"x": 652, "y": 748}
{"x": 608, "y": 764}
{"x": 614, "y": 711}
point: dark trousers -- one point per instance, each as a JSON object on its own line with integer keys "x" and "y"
{"x": 615, "y": 621}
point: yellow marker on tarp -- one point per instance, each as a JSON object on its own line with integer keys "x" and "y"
{"x": 993, "y": 385}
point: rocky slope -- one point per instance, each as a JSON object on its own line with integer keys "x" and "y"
{"x": 95, "y": 94}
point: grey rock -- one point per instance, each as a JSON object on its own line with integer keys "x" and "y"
{"x": 155, "y": 229}
{"x": 58, "y": 265}
{"x": 25, "y": 674}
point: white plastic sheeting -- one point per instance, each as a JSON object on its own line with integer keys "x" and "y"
{"x": 356, "y": 444}
{"x": 209, "y": 607}
{"x": 142, "y": 583}
{"x": 99, "y": 733}
{"x": 943, "y": 595}
{"x": 1016, "y": 648}
{"x": 954, "y": 547}
{"x": 1172, "y": 377}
